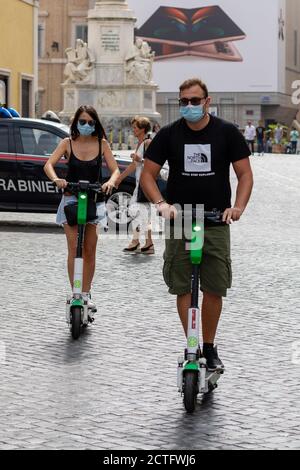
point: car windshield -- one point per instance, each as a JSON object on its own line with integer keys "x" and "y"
{"x": 38, "y": 141}
{"x": 50, "y": 124}
{"x": 63, "y": 127}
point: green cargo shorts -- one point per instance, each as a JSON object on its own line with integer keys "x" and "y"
{"x": 215, "y": 269}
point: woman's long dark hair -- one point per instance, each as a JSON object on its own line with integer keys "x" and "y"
{"x": 99, "y": 130}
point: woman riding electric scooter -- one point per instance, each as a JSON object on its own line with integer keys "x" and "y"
{"x": 84, "y": 151}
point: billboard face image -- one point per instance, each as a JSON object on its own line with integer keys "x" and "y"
{"x": 232, "y": 45}
{"x": 205, "y": 32}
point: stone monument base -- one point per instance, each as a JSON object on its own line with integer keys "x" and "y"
{"x": 116, "y": 106}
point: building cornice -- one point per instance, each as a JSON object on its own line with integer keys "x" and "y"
{"x": 43, "y": 14}
{"x": 289, "y": 69}
{"x": 33, "y": 3}
{"x": 78, "y": 14}
{"x": 53, "y": 61}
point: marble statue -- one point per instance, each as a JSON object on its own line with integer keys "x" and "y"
{"x": 80, "y": 62}
{"x": 139, "y": 62}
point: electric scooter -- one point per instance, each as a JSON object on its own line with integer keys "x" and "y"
{"x": 77, "y": 311}
{"x": 192, "y": 374}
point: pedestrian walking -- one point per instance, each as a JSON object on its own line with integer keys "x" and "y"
{"x": 199, "y": 148}
{"x": 260, "y": 136}
{"x": 278, "y": 134}
{"x": 269, "y": 141}
{"x": 250, "y": 135}
{"x": 294, "y": 137}
{"x": 140, "y": 208}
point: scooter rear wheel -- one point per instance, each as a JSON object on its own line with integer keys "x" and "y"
{"x": 190, "y": 391}
{"x": 76, "y": 322}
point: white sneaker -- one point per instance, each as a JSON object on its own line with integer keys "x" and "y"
{"x": 91, "y": 304}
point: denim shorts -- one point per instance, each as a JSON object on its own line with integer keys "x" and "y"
{"x": 101, "y": 212}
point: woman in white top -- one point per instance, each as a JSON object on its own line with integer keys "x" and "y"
{"x": 139, "y": 211}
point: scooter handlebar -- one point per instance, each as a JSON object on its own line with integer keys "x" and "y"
{"x": 215, "y": 216}
{"x": 84, "y": 186}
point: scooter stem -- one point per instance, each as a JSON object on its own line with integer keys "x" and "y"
{"x": 193, "y": 333}
{"x": 78, "y": 276}
{"x": 195, "y": 286}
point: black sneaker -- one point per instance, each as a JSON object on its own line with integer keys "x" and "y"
{"x": 210, "y": 352}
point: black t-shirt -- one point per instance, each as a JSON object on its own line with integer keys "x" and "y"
{"x": 260, "y": 132}
{"x": 199, "y": 161}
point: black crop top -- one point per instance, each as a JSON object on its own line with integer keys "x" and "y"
{"x": 90, "y": 170}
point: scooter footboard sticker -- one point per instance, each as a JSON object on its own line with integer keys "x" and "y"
{"x": 192, "y": 342}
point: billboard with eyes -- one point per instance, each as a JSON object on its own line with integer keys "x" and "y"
{"x": 232, "y": 45}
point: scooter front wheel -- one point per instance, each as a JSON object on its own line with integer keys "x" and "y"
{"x": 190, "y": 391}
{"x": 76, "y": 322}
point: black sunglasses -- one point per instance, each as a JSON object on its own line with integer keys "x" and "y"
{"x": 91, "y": 123}
{"x": 195, "y": 101}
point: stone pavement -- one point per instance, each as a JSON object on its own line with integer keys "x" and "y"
{"x": 115, "y": 388}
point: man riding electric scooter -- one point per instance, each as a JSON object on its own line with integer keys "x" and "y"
{"x": 199, "y": 148}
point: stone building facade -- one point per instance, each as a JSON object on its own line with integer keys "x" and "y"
{"x": 60, "y": 24}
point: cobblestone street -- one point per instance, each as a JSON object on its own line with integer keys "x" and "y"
{"x": 115, "y": 388}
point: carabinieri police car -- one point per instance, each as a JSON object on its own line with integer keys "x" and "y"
{"x": 25, "y": 146}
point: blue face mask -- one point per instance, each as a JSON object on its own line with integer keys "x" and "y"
{"x": 192, "y": 113}
{"x": 85, "y": 129}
